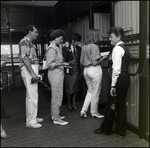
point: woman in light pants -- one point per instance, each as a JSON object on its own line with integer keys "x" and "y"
{"x": 91, "y": 60}
{"x": 55, "y": 64}
{"x": 93, "y": 78}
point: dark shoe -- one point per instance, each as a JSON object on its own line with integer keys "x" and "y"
{"x": 74, "y": 107}
{"x": 5, "y": 137}
{"x": 69, "y": 108}
{"x": 98, "y": 131}
{"x": 6, "y": 116}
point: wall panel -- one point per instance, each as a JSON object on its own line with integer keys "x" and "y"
{"x": 127, "y": 13}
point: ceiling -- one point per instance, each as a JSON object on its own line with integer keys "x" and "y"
{"x": 31, "y": 3}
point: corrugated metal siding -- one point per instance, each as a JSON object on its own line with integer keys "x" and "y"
{"x": 20, "y": 17}
{"x": 76, "y": 8}
{"x": 3, "y": 18}
{"x": 94, "y": 3}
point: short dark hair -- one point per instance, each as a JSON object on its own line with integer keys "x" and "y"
{"x": 75, "y": 37}
{"x": 29, "y": 28}
{"x": 118, "y": 31}
{"x": 57, "y": 33}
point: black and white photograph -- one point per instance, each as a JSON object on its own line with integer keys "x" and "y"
{"x": 74, "y": 73}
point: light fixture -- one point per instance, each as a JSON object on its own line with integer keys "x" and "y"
{"x": 12, "y": 29}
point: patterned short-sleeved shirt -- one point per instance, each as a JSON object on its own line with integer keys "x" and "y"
{"x": 27, "y": 48}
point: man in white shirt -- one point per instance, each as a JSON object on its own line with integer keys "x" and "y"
{"x": 29, "y": 71}
{"x": 120, "y": 82}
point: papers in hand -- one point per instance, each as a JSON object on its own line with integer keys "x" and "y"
{"x": 105, "y": 53}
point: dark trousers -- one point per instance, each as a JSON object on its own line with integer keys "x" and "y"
{"x": 121, "y": 94}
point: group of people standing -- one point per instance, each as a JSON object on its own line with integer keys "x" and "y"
{"x": 68, "y": 66}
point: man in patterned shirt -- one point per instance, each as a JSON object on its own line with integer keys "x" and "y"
{"x": 29, "y": 70}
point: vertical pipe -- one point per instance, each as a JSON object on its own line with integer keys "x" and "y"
{"x": 112, "y": 14}
{"x": 142, "y": 57}
{"x": 91, "y": 20}
{"x": 10, "y": 41}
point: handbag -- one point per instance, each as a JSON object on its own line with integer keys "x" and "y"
{"x": 44, "y": 63}
{"x": 68, "y": 70}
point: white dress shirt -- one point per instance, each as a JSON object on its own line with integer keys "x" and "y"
{"x": 73, "y": 50}
{"x": 117, "y": 55}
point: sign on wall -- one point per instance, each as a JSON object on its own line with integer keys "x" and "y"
{"x": 134, "y": 51}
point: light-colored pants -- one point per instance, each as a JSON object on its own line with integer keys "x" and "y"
{"x": 31, "y": 94}
{"x": 56, "y": 79}
{"x": 93, "y": 78}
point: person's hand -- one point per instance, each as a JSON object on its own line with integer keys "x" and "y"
{"x": 35, "y": 77}
{"x": 113, "y": 91}
{"x": 65, "y": 64}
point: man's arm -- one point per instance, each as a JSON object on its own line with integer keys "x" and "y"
{"x": 29, "y": 68}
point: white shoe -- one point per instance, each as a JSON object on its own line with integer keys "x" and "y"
{"x": 60, "y": 122}
{"x": 35, "y": 125}
{"x": 4, "y": 135}
{"x": 39, "y": 119}
{"x": 61, "y": 117}
{"x": 83, "y": 114}
{"x": 97, "y": 115}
